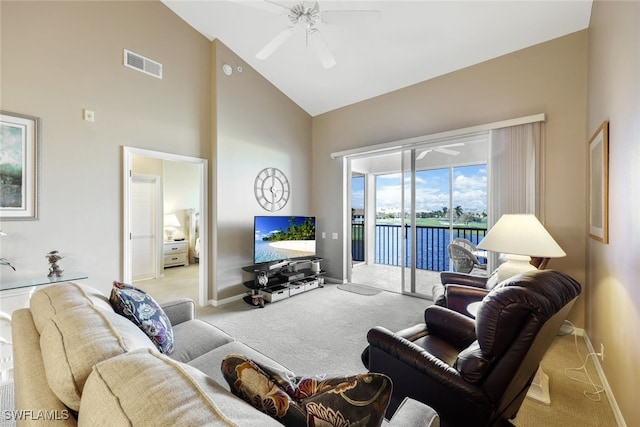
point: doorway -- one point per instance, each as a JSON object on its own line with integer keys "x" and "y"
{"x": 197, "y": 218}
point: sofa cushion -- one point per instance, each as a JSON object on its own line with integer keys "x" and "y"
{"x": 194, "y": 338}
{"x": 210, "y": 362}
{"x": 146, "y": 388}
{"x": 307, "y": 401}
{"x": 76, "y": 339}
{"x": 47, "y": 302}
{"x": 139, "y": 307}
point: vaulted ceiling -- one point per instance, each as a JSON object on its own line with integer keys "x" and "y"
{"x": 405, "y": 43}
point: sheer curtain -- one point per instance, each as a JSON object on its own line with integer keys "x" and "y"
{"x": 515, "y": 173}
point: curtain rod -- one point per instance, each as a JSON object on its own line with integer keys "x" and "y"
{"x": 409, "y": 142}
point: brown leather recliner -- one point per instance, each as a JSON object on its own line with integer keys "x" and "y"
{"x": 476, "y": 373}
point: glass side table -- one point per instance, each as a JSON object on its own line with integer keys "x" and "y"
{"x": 19, "y": 282}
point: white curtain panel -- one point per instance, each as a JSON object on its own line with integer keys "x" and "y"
{"x": 515, "y": 173}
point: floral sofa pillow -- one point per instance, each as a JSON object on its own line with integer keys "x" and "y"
{"x": 138, "y": 306}
{"x": 309, "y": 401}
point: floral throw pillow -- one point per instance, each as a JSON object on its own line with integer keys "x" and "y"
{"x": 309, "y": 401}
{"x": 138, "y": 306}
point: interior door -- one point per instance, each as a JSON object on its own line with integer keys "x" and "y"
{"x": 145, "y": 216}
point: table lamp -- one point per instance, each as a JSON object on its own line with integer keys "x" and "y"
{"x": 170, "y": 224}
{"x": 525, "y": 242}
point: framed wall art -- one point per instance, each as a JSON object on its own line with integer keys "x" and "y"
{"x": 19, "y": 146}
{"x": 599, "y": 184}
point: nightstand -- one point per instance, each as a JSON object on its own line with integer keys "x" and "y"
{"x": 176, "y": 253}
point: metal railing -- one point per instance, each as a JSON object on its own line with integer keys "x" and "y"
{"x": 431, "y": 244}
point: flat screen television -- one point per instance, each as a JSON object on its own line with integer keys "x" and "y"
{"x": 279, "y": 238}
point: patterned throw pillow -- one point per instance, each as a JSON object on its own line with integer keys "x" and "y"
{"x": 138, "y": 306}
{"x": 309, "y": 401}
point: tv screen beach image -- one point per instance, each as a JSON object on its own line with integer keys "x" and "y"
{"x": 283, "y": 237}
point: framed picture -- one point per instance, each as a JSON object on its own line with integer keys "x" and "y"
{"x": 19, "y": 145}
{"x": 599, "y": 184}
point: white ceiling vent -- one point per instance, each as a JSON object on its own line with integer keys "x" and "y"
{"x": 140, "y": 63}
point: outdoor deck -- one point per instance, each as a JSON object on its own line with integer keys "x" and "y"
{"x": 387, "y": 277}
{"x": 431, "y": 254}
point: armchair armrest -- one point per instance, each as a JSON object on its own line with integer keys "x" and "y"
{"x": 447, "y": 277}
{"x": 180, "y": 310}
{"x": 388, "y": 349}
{"x": 409, "y": 354}
{"x": 457, "y": 329}
{"x": 411, "y": 333}
{"x": 414, "y": 413}
{"x": 459, "y": 297}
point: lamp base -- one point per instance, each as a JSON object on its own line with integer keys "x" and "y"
{"x": 516, "y": 264}
{"x": 539, "y": 389}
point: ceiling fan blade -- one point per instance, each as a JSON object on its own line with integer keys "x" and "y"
{"x": 266, "y": 5}
{"x": 422, "y": 154}
{"x": 350, "y": 17}
{"x": 274, "y": 44}
{"x": 322, "y": 50}
{"x": 447, "y": 151}
{"x": 457, "y": 144}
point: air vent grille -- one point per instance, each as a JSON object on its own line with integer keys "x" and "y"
{"x": 142, "y": 64}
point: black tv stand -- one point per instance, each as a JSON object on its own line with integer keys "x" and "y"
{"x": 281, "y": 280}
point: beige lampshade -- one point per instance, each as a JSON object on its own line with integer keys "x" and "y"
{"x": 521, "y": 234}
{"x": 171, "y": 220}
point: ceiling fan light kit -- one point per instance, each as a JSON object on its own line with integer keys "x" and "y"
{"x": 308, "y": 14}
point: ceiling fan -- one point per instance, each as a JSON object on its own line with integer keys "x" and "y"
{"x": 442, "y": 149}
{"x": 308, "y": 15}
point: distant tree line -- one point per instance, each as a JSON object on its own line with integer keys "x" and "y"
{"x": 10, "y": 174}
{"x": 304, "y": 231}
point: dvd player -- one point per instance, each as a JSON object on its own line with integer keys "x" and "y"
{"x": 292, "y": 276}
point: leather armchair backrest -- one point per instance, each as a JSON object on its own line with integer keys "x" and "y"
{"x": 499, "y": 321}
{"x": 509, "y": 320}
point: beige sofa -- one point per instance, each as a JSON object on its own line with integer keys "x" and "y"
{"x": 77, "y": 362}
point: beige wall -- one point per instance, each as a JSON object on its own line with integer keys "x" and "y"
{"x": 53, "y": 68}
{"x": 257, "y": 127}
{"x": 548, "y": 78}
{"x": 613, "y": 293}
{"x": 61, "y": 57}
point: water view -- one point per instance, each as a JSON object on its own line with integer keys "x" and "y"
{"x": 449, "y": 203}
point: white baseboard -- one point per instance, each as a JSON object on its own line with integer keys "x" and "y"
{"x": 603, "y": 379}
{"x": 218, "y": 303}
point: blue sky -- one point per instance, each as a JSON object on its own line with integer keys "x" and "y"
{"x": 432, "y": 190}
{"x": 267, "y": 225}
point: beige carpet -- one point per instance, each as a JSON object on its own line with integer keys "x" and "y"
{"x": 569, "y": 405}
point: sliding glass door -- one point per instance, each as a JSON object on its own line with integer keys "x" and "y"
{"x": 416, "y": 201}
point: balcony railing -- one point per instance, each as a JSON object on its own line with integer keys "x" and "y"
{"x": 431, "y": 244}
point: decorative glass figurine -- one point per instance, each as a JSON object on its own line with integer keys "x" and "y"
{"x": 54, "y": 266}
